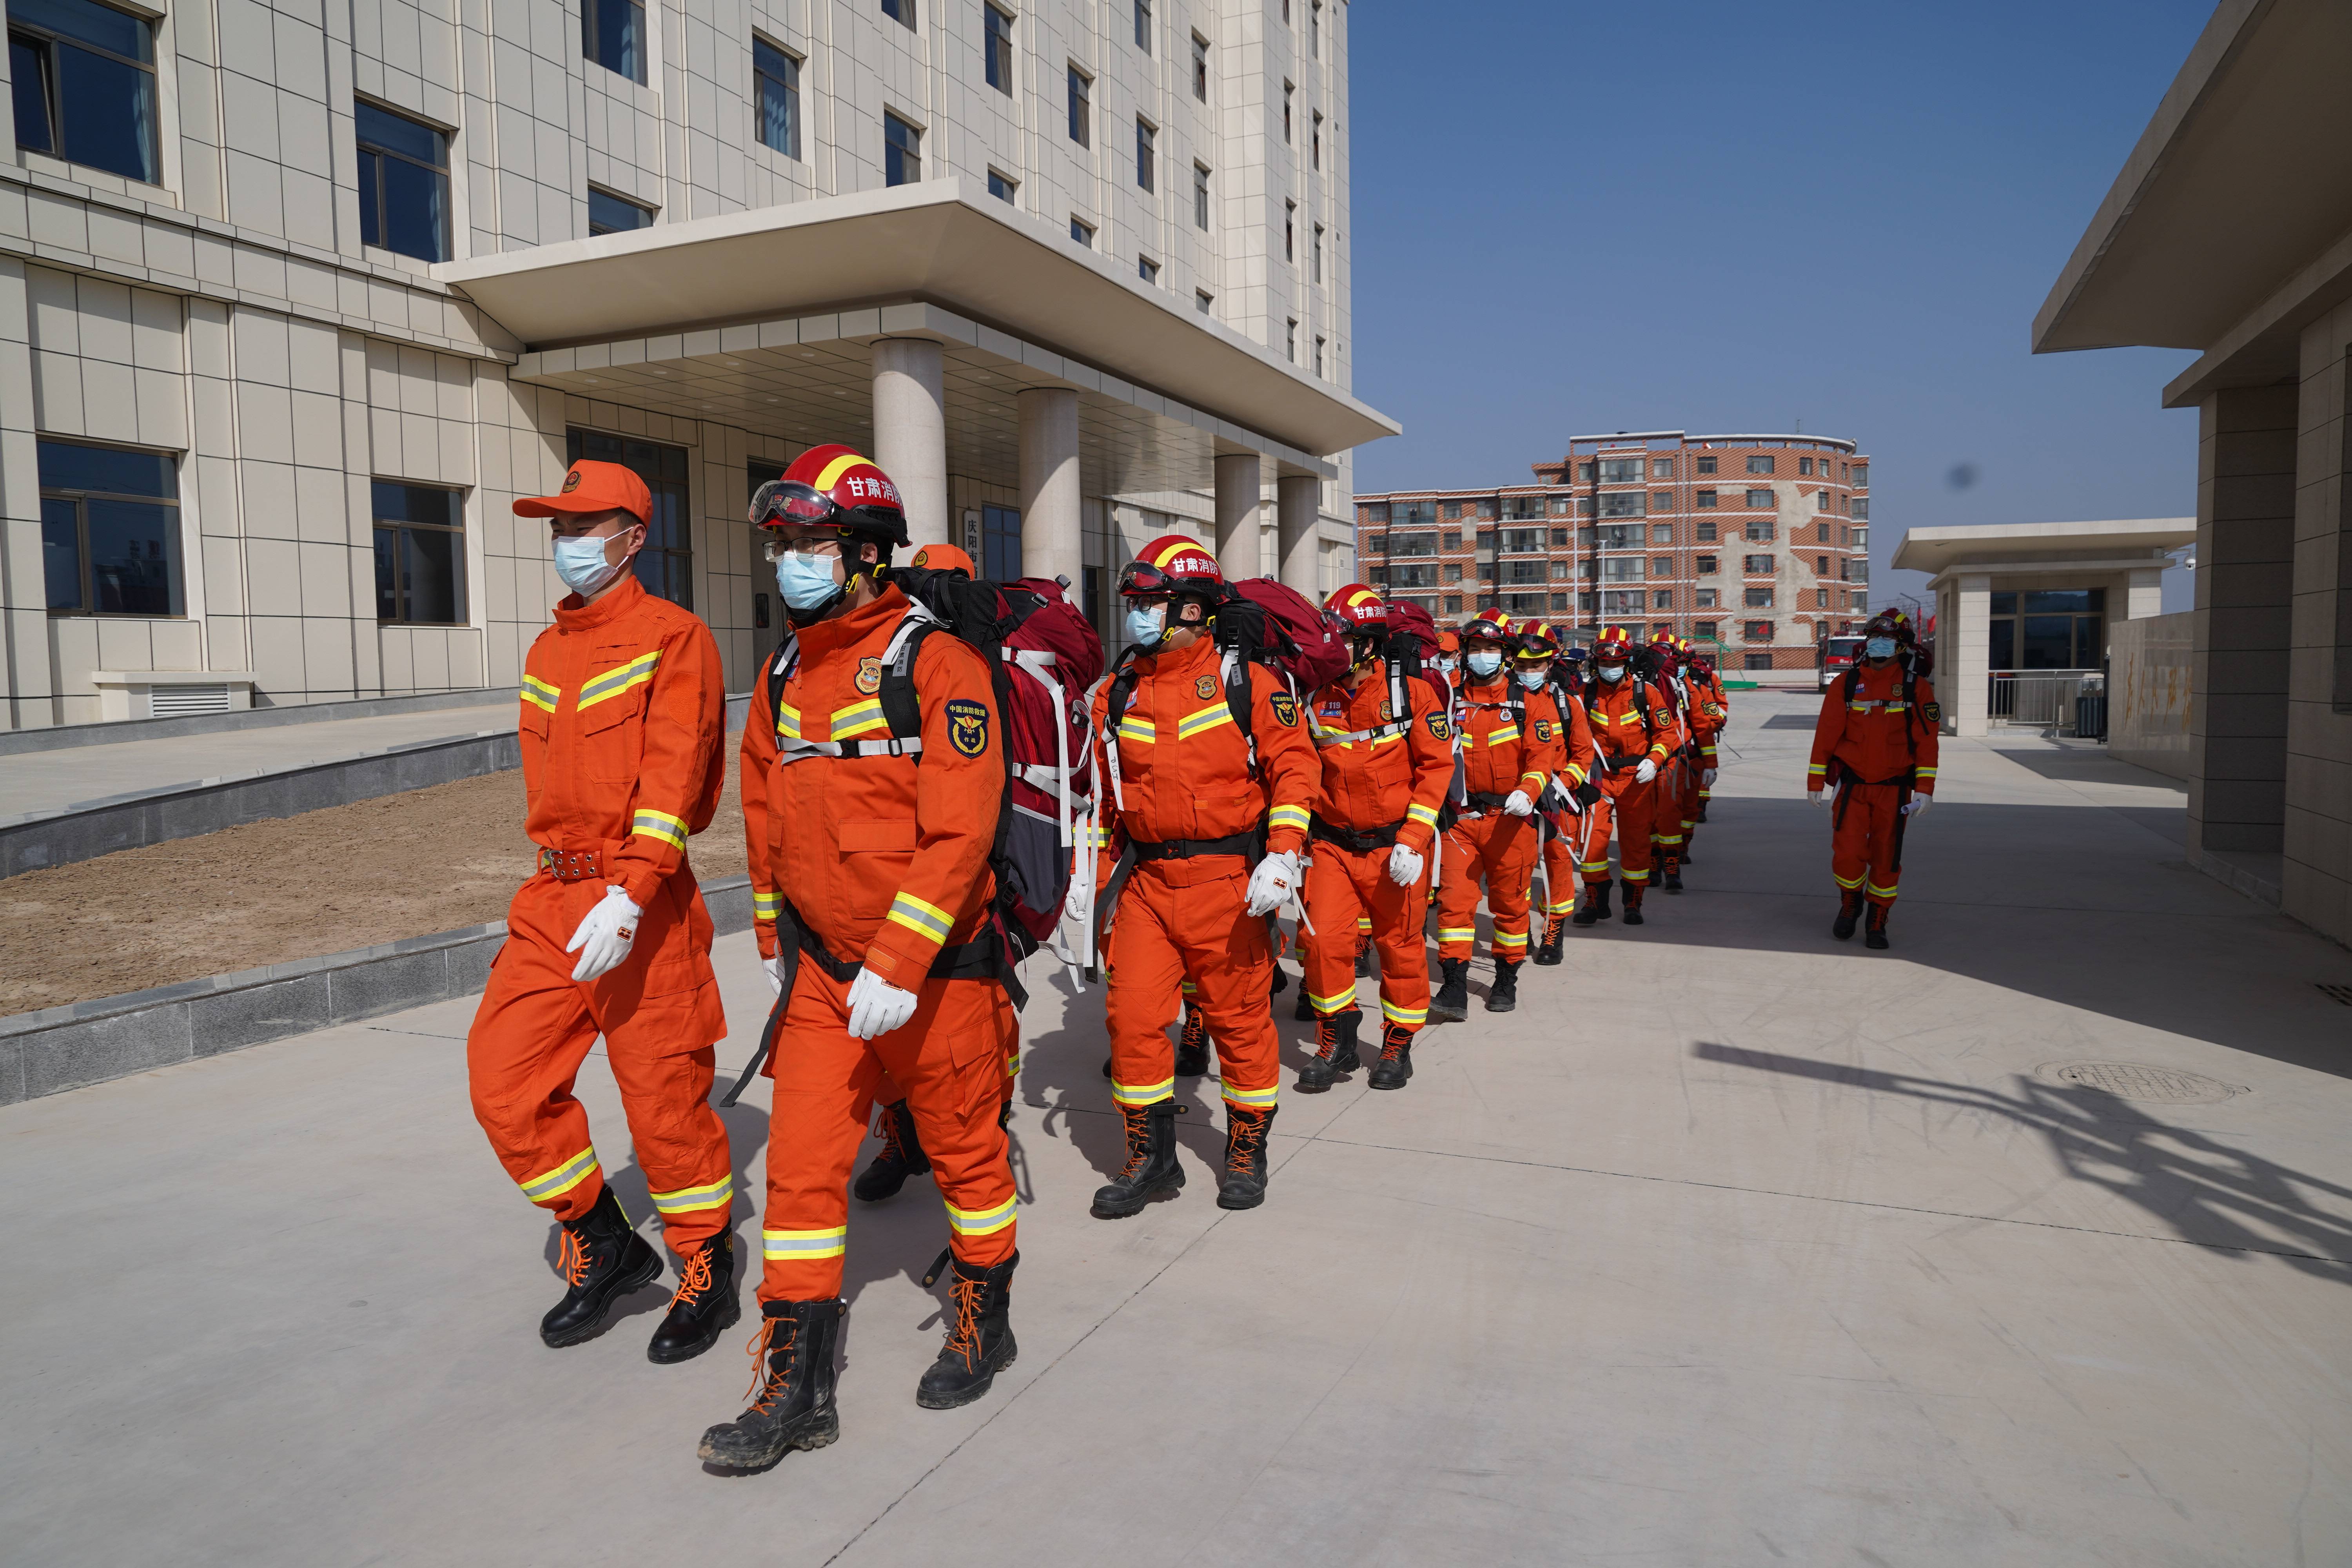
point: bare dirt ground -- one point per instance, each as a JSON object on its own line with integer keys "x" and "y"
{"x": 327, "y": 882}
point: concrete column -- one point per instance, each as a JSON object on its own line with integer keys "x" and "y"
{"x": 911, "y": 432}
{"x": 1239, "y": 551}
{"x": 2245, "y": 573}
{"x": 2143, "y": 596}
{"x": 1964, "y": 656}
{"x": 1299, "y": 504}
{"x": 1051, "y": 540}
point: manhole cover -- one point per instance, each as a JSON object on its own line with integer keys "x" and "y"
{"x": 2130, "y": 1081}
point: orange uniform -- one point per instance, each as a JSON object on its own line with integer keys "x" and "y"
{"x": 1565, "y": 830}
{"x": 622, "y": 735}
{"x": 880, "y": 861}
{"x": 1883, "y": 740}
{"x": 1500, "y": 754}
{"x": 1624, "y": 733}
{"x": 1185, "y": 810}
{"x": 1711, "y": 711}
{"x": 1383, "y": 781}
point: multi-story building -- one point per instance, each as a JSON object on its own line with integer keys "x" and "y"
{"x": 1758, "y": 543}
{"x": 295, "y": 300}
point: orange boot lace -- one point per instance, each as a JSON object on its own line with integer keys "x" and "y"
{"x": 963, "y": 1339}
{"x": 1139, "y": 1141}
{"x": 695, "y": 1278}
{"x": 891, "y": 1147}
{"x": 572, "y": 1258}
{"x": 1399, "y": 1037}
{"x": 768, "y": 1382}
{"x": 1246, "y": 1140}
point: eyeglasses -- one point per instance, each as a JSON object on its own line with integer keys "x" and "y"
{"x": 777, "y": 549}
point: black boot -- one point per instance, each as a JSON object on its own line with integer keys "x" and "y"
{"x": 1151, "y": 1169}
{"x": 1395, "y": 1064}
{"x": 1874, "y": 933}
{"x": 1690, "y": 836}
{"x": 1633, "y": 891}
{"x": 1702, "y": 811}
{"x": 704, "y": 1305}
{"x": 1336, "y": 1054}
{"x": 1595, "y": 906}
{"x": 1193, "y": 1043}
{"x": 1451, "y": 1003}
{"x": 1549, "y": 953}
{"x": 1504, "y": 994}
{"x": 900, "y": 1156}
{"x": 1363, "y": 961}
{"x": 980, "y": 1339}
{"x": 1849, "y": 912}
{"x": 792, "y": 1396}
{"x": 1242, "y": 1185}
{"x": 1305, "y": 1011}
{"x": 1281, "y": 982}
{"x": 1673, "y": 880}
{"x": 603, "y": 1261}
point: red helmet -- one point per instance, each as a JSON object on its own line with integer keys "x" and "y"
{"x": 1172, "y": 564}
{"x": 833, "y": 487}
{"x": 1614, "y": 645}
{"x": 1486, "y": 625}
{"x": 1891, "y": 623}
{"x": 1538, "y": 639}
{"x": 1359, "y": 609}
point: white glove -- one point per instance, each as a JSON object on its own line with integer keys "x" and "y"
{"x": 773, "y": 968}
{"x": 1272, "y": 882}
{"x": 1706, "y": 778}
{"x": 606, "y": 935}
{"x": 1916, "y": 804}
{"x": 1518, "y": 804}
{"x": 1647, "y": 771}
{"x": 876, "y": 1006}
{"x": 1818, "y": 796}
{"x": 1404, "y": 867}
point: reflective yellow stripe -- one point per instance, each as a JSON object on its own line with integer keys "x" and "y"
{"x": 1288, "y": 816}
{"x": 1926, "y": 772}
{"x": 803, "y": 1244}
{"x": 620, "y": 678}
{"x": 1190, "y": 988}
{"x": 1507, "y": 732}
{"x": 1640, "y": 876}
{"x": 1332, "y": 1003}
{"x": 835, "y": 470}
{"x": 554, "y": 1184}
{"x": 1201, "y": 723}
{"x": 1363, "y": 924}
{"x": 539, "y": 694}
{"x": 1817, "y": 768}
{"x": 1424, "y": 814}
{"x": 787, "y": 721}
{"x": 1590, "y": 866}
{"x": 766, "y": 906}
{"x": 926, "y": 920}
{"x": 686, "y": 1200}
{"x": 659, "y": 825}
{"x": 1142, "y": 1094}
{"x": 1849, "y": 887}
{"x": 981, "y": 1222}
{"x": 1576, "y": 775}
{"x": 1415, "y": 1016}
{"x": 1457, "y": 933}
{"x": 1878, "y": 892}
{"x": 1138, "y": 729}
{"x": 1256, "y": 1099}
{"x": 858, "y": 718}
{"x": 1503, "y": 939}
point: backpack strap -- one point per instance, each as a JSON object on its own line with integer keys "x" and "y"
{"x": 900, "y": 709}
{"x": 1240, "y": 699}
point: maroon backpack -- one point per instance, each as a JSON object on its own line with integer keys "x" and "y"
{"x": 1263, "y": 620}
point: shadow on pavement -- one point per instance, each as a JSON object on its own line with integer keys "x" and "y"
{"x": 2207, "y": 1191}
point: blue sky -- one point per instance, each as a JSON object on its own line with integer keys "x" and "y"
{"x": 1716, "y": 217}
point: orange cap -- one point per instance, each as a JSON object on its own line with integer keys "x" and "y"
{"x": 593, "y": 487}
{"x": 944, "y": 558}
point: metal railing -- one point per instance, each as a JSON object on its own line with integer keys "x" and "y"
{"x": 2039, "y": 699}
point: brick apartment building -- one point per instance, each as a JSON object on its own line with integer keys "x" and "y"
{"x": 1758, "y": 543}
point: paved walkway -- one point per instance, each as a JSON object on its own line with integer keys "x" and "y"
{"x": 42, "y": 782}
{"x": 1732, "y": 1245}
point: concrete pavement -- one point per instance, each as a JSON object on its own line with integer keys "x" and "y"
{"x": 1734, "y": 1244}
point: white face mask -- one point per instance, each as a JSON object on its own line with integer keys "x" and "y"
{"x": 1147, "y": 624}
{"x": 1610, "y": 672}
{"x": 1485, "y": 661}
{"x": 1532, "y": 680}
{"x": 581, "y": 564}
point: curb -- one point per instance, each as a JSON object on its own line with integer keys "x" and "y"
{"x": 114, "y": 731}
{"x": 59, "y": 1048}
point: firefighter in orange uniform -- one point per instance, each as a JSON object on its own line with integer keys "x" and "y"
{"x": 1633, "y": 732}
{"x": 1711, "y": 711}
{"x": 1195, "y": 796}
{"x": 1388, "y": 756}
{"x": 1877, "y": 735}
{"x": 1552, "y": 704}
{"x": 1509, "y": 753}
{"x": 872, "y": 781}
{"x": 623, "y": 734}
{"x": 1678, "y": 791}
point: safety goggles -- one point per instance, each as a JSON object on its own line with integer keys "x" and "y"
{"x": 788, "y": 503}
{"x": 1141, "y": 580}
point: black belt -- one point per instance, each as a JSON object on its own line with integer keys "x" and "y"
{"x": 1185, "y": 848}
{"x": 1613, "y": 763}
{"x": 1485, "y": 800}
{"x": 1359, "y": 839}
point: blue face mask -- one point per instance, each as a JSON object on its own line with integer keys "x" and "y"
{"x": 1610, "y": 672}
{"x": 1532, "y": 680}
{"x": 1146, "y": 625}
{"x": 806, "y": 581}
{"x": 1485, "y": 661}
{"x": 581, "y": 564}
{"x": 1879, "y": 647}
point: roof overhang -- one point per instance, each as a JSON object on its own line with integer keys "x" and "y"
{"x": 2111, "y": 544}
{"x": 931, "y": 242}
{"x": 2241, "y": 180}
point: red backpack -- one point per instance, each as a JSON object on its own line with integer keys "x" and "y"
{"x": 1263, "y": 620}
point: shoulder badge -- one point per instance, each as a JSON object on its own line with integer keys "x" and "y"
{"x": 1543, "y": 730}
{"x": 1439, "y": 730}
{"x": 1285, "y": 706}
{"x": 1712, "y": 710}
{"x": 1387, "y": 713}
{"x": 1932, "y": 711}
{"x": 1205, "y": 687}
{"x": 966, "y": 726}
{"x": 869, "y": 676}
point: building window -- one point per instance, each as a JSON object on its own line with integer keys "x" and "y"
{"x": 1452, "y": 509}
{"x": 1820, "y": 598}
{"x": 1288, "y": 93}
{"x": 1290, "y": 342}
{"x": 1704, "y": 599}
{"x": 1001, "y": 188}
{"x": 1824, "y": 535}
{"x": 1760, "y": 497}
{"x": 900, "y": 11}
{"x": 1559, "y": 538}
{"x": 110, "y": 529}
{"x": 1315, "y": 30}
{"x": 609, "y": 214}
{"x": 1709, "y": 565}
{"x": 1143, "y": 26}
{"x": 1757, "y": 565}
{"x": 404, "y": 184}
{"x": 1200, "y": 68}
{"x": 1624, "y": 503}
{"x": 1452, "y": 538}
{"x": 1203, "y": 299}
{"x": 1661, "y": 599}
{"x": 1662, "y": 533}
{"x": 1199, "y": 198}
{"x": 1758, "y": 533}
{"x": 1821, "y": 565}
{"x": 420, "y": 555}
{"x": 1315, "y": 260}
{"x": 1000, "y": 543}
{"x": 997, "y": 48}
{"x": 1757, "y": 598}
{"x": 1703, "y": 465}
{"x": 1706, "y": 530}
{"x": 1315, "y": 140}
{"x": 1860, "y": 508}
{"x": 1663, "y": 501}
{"x": 1148, "y": 269}
{"x": 1082, "y": 99}
{"x": 1861, "y": 476}
{"x": 1805, "y": 468}
{"x": 1758, "y": 660}
{"x": 777, "y": 78}
{"x": 1560, "y": 570}
{"x": 1758, "y": 631}
{"x": 84, "y": 80}
{"x": 1319, "y": 356}
{"x": 1861, "y": 538}
{"x": 1146, "y": 138}
{"x": 1704, "y": 498}
{"x": 1452, "y": 603}
{"x": 1661, "y": 468}
{"x": 1662, "y": 566}
{"x": 902, "y": 151}
{"x": 666, "y": 565}
{"x": 1290, "y": 231}
{"x": 613, "y": 34}
{"x": 1083, "y": 232}
{"x": 1760, "y": 463}
{"x": 1705, "y": 629}
{"x": 1621, "y": 470}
